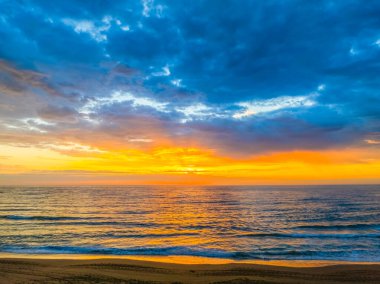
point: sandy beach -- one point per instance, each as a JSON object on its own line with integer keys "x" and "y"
{"x": 110, "y": 270}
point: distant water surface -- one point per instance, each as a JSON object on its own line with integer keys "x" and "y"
{"x": 293, "y": 223}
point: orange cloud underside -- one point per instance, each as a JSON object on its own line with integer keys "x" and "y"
{"x": 175, "y": 165}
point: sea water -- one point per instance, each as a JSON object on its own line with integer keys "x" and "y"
{"x": 236, "y": 222}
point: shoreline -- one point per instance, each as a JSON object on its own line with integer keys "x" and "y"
{"x": 98, "y": 269}
{"x": 185, "y": 259}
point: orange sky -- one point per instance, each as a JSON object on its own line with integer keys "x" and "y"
{"x": 83, "y": 164}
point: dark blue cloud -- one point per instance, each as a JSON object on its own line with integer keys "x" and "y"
{"x": 208, "y": 62}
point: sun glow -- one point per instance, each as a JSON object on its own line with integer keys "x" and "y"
{"x": 84, "y": 164}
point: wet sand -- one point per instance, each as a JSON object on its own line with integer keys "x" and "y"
{"x": 33, "y": 270}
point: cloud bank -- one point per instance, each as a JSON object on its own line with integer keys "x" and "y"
{"x": 238, "y": 79}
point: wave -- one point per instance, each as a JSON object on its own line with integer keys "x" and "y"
{"x": 136, "y": 212}
{"x": 306, "y": 235}
{"x": 141, "y": 236}
{"x": 76, "y": 221}
{"x": 39, "y": 218}
{"x": 13, "y": 209}
{"x": 157, "y": 251}
{"x": 339, "y": 227}
{"x": 264, "y": 254}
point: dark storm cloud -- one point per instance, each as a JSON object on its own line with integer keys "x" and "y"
{"x": 219, "y": 72}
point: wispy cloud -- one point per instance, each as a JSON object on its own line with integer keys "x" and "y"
{"x": 96, "y": 31}
{"x": 263, "y": 106}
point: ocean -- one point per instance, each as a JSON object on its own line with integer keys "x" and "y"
{"x": 234, "y": 222}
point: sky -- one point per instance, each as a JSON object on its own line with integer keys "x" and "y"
{"x": 189, "y": 92}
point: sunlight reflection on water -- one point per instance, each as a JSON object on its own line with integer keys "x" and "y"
{"x": 315, "y": 222}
